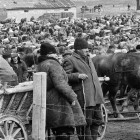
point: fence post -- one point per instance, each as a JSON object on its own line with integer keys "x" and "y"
{"x": 39, "y": 106}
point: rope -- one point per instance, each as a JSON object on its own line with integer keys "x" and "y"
{"x": 72, "y": 106}
{"x": 71, "y": 114}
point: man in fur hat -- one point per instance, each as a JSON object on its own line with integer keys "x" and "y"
{"x": 84, "y": 81}
{"x": 63, "y": 111}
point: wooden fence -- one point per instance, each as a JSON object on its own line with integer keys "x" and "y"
{"x": 39, "y": 106}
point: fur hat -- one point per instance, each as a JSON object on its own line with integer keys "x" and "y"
{"x": 80, "y": 44}
{"x": 6, "y": 55}
{"x": 47, "y": 48}
{"x": 138, "y": 47}
{"x": 14, "y": 55}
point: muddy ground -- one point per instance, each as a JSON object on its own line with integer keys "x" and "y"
{"x": 124, "y": 130}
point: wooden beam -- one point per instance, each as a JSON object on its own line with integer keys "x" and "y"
{"x": 22, "y": 87}
{"x": 39, "y": 106}
{"x": 22, "y": 101}
{"x": 122, "y": 119}
{"x": 10, "y": 103}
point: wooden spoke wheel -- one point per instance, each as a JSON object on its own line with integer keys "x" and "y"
{"x": 102, "y": 128}
{"x": 12, "y": 128}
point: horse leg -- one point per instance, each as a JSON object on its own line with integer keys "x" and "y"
{"x": 124, "y": 107}
{"x": 105, "y": 89}
{"x": 123, "y": 90}
{"x": 112, "y": 97}
{"x": 136, "y": 102}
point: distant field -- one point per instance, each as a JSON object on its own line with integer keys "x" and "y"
{"x": 120, "y": 6}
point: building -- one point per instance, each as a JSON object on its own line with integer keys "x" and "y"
{"x": 138, "y": 4}
{"x": 28, "y": 8}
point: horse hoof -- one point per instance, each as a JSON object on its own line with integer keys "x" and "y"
{"x": 136, "y": 108}
{"x": 120, "y": 116}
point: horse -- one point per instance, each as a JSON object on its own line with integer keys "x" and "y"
{"x": 84, "y": 9}
{"x": 31, "y": 61}
{"x": 97, "y": 7}
{"x": 123, "y": 69}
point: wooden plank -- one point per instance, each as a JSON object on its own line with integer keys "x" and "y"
{"x": 1, "y": 102}
{"x": 36, "y": 106}
{"x": 39, "y": 106}
{"x": 22, "y": 87}
{"x": 10, "y": 103}
{"x": 121, "y": 99}
{"x": 29, "y": 110}
{"x": 43, "y": 107}
{"x": 126, "y": 112}
{"x": 122, "y": 119}
{"x": 22, "y": 101}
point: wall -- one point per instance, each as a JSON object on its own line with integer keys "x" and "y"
{"x": 19, "y": 14}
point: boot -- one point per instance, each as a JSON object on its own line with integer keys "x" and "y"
{"x": 94, "y": 132}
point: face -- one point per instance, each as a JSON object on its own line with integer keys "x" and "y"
{"x": 85, "y": 52}
{"x": 21, "y": 55}
{"x": 15, "y": 59}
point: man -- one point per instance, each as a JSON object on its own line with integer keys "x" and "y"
{"x": 138, "y": 48}
{"x": 63, "y": 111}
{"x": 84, "y": 81}
{"x": 19, "y": 66}
{"x": 128, "y": 6}
{"x": 7, "y": 74}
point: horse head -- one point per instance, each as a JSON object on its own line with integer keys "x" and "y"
{"x": 30, "y": 59}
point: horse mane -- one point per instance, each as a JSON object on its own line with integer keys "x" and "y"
{"x": 30, "y": 59}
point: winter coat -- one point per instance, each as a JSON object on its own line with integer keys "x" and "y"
{"x": 89, "y": 92}
{"x": 21, "y": 70}
{"x": 60, "y": 95}
{"x": 7, "y": 74}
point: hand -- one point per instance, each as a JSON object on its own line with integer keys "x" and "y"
{"x": 82, "y": 76}
{"x": 73, "y": 103}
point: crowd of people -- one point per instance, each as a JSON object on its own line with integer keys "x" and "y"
{"x": 64, "y": 49}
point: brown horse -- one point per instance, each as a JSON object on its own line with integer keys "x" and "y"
{"x": 123, "y": 69}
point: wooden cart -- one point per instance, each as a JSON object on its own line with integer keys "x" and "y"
{"x": 102, "y": 128}
{"x": 15, "y": 111}
{"x": 17, "y": 105}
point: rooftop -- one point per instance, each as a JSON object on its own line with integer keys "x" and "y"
{"x": 35, "y": 4}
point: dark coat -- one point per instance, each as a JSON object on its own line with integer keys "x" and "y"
{"x": 21, "y": 70}
{"x": 60, "y": 95}
{"x": 91, "y": 88}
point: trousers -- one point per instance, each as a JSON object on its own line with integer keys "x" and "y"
{"x": 94, "y": 119}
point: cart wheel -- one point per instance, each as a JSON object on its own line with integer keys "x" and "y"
{"x": 12, "y": 128}
{"x": 102, "y": 128}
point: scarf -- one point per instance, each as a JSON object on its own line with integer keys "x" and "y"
{"x": 44, "y": 57}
